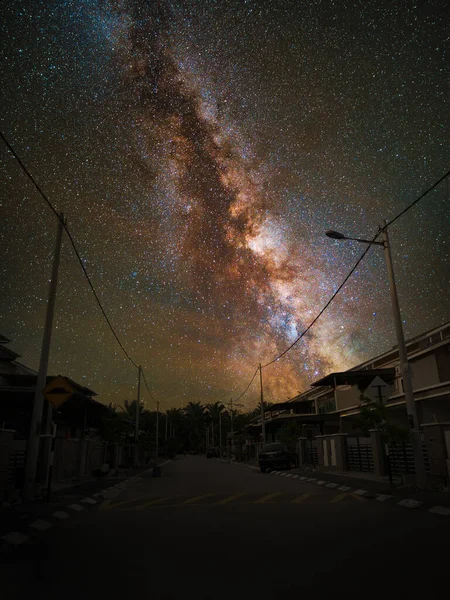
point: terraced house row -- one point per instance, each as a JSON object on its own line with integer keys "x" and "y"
{"x": 329, "y": 414}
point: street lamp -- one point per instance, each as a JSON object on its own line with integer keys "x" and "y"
{"x": 403, "y": 357}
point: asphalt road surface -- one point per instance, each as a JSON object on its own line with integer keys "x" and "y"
{"x": 211, "y": 530}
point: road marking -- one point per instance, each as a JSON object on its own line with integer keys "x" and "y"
{"x": 301, "y": 498}
{"x": 361, "y": 492}
{"x": 440, "y": 510}
{"x": 321, "y": 482}
{"x": 107, "y": 503}
{"x": 195, "y": 498}
{"x": 338, "y": 498}
{"x": 15, "y": 538}
{"x": 331, "y": 485}
{"x": 267, "y": 497}
{"x": 231, "y": 498}
{"x": 151, "y": 503}
{"x": 294, "y": 476}
{"x": 76, "y": 507}
{"x": 61, "y": 515}
{"x": 410, "y": 503}
{"x": 344, "y": 488}
{"x": 357, "y": 497}
{"x": 383, "y": 497}
{"x": 41, "y": 525}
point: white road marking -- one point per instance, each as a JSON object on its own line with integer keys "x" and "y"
{"x": 41, "y": 525}
{"x": 410, "y": 503}
{"x": 15, "y": 538}
{"x": 61, "y": 515}
{"x": 440, "y": 510}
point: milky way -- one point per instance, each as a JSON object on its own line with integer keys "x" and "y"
{"x": 199, "y": 151}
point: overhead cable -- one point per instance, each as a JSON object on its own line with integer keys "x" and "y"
{"x": 41, "y": 192}
{"x": 400, "y": 214}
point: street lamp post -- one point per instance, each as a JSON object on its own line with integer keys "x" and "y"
{"x": 405, "y": 370}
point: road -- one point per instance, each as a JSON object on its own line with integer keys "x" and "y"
{"x": 211, "y": 530}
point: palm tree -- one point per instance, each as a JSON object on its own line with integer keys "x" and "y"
{"x": 214, "y": 411}
{"x": 176, "y": 417}
{"x": 195, "y": 421}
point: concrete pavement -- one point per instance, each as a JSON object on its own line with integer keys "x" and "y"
{"x": 208, "y": 530}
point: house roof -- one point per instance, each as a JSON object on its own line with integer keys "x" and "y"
{"x": 361, "y": 378}
{"x": 24, "y": 380}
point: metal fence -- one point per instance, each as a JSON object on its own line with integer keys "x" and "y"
{"x": 312, "y": 457}
{"x": 359, "y": 455}
{"x": 16, "y": 469}
{"x": 400, "y": 458}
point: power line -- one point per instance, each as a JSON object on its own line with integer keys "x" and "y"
{"x": 327, "y": 304}
{"x": 41, "y": 192}
{"x": 247, "y": 388}
{"x": 148, "y": 389}
{"x": 405, "y": 210}
{"x": 400, "y": 214}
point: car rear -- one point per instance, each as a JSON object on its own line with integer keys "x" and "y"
{"x": 274, "y": 456}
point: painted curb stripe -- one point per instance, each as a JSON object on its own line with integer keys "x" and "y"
{"x": 41, "y": 525}
{"x": 440, "y": 510}
{"x": 61, "y": 515}
{"x": 15, "y": 538}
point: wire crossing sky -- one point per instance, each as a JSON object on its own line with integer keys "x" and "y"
{"x": 199, "y": 151}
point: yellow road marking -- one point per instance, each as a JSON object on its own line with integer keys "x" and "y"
{"x": 193, "y": 500}
{"x": 231, "y": 498}
{"x": 267, "y": 497}
{"x": 301, "y": 498}
{"x": 152, "y": 503}
{"x": 129, "y": 501}
{"x": 356, "y": 497}
{"x": 338, "y": 498}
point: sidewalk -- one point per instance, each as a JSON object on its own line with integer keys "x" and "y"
{"x": 374, "y": 487}
{"x": 19, "y": 516}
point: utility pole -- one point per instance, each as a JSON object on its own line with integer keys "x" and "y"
{"x": 232, "y": 432}
{"x": 421, "y": 477}
{"x": 157, "y": 428}
{"x": 263, "y": 416}
{"x": 167, "y": 423}
{"x": 38, "y": 404}
{"x": 136, "y": 423}
{"x": 220, "y": 433}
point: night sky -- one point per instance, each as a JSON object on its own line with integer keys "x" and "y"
{"x": 199, "y": 150}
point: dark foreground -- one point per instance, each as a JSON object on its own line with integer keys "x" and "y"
{"x": 208, "y": 530}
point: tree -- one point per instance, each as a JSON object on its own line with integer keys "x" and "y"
{"x": 214, "y": 411}
{"x": 374, "y": 415}
{"x": 195, "y": 422}
{"x": 289, "y": 435}
{"x": 176, "y": 419}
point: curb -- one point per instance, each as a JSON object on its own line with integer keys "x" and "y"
{"x": 13, "y": 540}
{"x": 409, "y": 503}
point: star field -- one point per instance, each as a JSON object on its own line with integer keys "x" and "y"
{"x": 199, "y": 150}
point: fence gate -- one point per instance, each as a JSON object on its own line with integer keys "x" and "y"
{"x": 400, "y": 458}
{"x": 359, "y": 454}
{"x": 312, "y": 457}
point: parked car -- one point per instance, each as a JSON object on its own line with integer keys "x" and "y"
{"x": 274, "y": 456}
{"x": 213, "y": 453}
